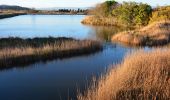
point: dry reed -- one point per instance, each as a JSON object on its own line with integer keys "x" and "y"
{"x": 157, "y": 33}
{"x": 141, "y": 76}
{"x": 26, "y": 52}
{"x": 100, "y": 21}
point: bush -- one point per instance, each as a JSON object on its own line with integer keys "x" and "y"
{"x": 104, "y": 9}
{"x": 160, "y": 13}
{"x": 132, "y": 13}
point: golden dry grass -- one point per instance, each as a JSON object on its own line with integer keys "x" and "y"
{"x": 157, "y": 33}
{"x": 141, "y": 76}
{"x": 26, "y": 53}
{"x": 101, "y": 21}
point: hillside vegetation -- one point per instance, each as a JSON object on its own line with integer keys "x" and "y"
{"x": 157, "y": 32}
{"x": 141, "y": 76}
{"x": 151, "y": 26}
{"x": 7, "y": 7}
{"x": 128, "y": 14}
{"x": 125, "y": 14}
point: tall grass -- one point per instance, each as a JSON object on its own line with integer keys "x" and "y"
{"x": 15, "y": 51}
{"x": 100, "y": 21}
{"x": 157, "y": 33}
{"x": 141, "y": 76}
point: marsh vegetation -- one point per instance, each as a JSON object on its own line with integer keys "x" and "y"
{"x": 149, "y": 26}
{"x": 15, "y": 51}
{"x": 129, "y": 14}
{"x": 141, "y": 76}
{"x": 157, "y": 33}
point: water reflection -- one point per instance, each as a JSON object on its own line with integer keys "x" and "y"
{"x": 44, "y": 60}
{"x": 44, "y": 26}
{"x": 57, "y": 79}
{"x": 104, "y": 33}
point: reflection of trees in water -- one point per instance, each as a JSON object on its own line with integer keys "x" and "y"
{"x": 105, "y": 32}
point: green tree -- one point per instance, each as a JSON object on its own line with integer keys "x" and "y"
{"x": 143, "y": 14}
{"x": 132, "y": 13}
{"x": 104, "y": 9}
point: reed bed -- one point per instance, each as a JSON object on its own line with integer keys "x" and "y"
{"x": 141, "y": 76}
{"x": 100, "y": 21}
{"x": 157, "y": 33}
{"x": 16, "y": 51}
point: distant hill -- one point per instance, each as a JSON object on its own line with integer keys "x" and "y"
{"x": 7, "y": 7}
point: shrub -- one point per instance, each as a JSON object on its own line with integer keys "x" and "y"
{"x": 160, "y": 13}
{"x": 104, "y": 9}
{"x": 132, "y": 13}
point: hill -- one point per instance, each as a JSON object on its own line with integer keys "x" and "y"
{"x": 7, "y": 7}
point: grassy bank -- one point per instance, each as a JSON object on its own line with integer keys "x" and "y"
{"x": 141, "y": 76}
{"x": 157, "y": 33}
{"x": 8, "y": 15}
{"x": 100, "y": 21}
{"x": 126, "y": 14}
{"x": 17, "y": 51}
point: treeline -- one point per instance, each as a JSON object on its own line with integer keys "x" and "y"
{"x": 72, "y": 10}
{"x": 130, "y": 13}
{"x": 5, "y": 9}
{"x": 60, "y": 11}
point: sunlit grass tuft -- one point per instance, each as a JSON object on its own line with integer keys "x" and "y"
{"x": 141, "y": 76}
{"x": 157, "y": 33}
{"x": 101, "y": 21}
{"x": 15, "y": 51}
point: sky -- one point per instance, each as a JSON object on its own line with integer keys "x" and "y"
{"x": 71, "y": 3}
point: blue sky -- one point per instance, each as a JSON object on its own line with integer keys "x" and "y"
{"x": 71, "y": 3}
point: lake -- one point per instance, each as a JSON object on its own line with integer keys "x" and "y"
{"x": 58, "y": 79}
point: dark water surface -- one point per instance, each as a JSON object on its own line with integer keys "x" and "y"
{"x": 61, "y": 78}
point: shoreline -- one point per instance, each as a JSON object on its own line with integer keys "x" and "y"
{"x": 13, "y": 13}
{"x": 3, "y": 16}
{"x": 17, "y": 51}
{"x": 155, "y": 34}
{"x": 99, "y": 21}
{"x": 133, "y": 78}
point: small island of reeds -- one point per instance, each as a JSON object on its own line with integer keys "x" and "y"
{"x": 18, "y": 51}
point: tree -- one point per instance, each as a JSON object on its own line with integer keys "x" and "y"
{"x": 104, "y": 9}
{"x": 143, "y": 14}
{"x": 132, "y": 13}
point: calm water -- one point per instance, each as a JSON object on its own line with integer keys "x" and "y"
{"x": 44, "y": 26}
{"x": 58, "y": 79}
